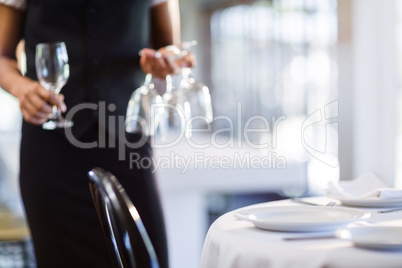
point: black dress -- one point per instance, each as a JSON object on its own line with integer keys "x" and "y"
{"x": 103, "y": 38}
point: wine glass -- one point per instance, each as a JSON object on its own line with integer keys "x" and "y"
{"x": 53, "y": 71}
{"x": 195, "y": 92}
{"x": 198, "y": 96}
{"x": 177, "y": 112}
{"x": 144, "y": 109}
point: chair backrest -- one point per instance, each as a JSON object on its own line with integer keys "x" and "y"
{"x": 126, "y": 236}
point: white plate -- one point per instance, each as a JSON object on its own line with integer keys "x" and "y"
{"x": 300, "y": 219}
{"x": 374, "y": 237}
{"x": 370, "y": 202}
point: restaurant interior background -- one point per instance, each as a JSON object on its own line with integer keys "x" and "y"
{"x": 321, "y": 81}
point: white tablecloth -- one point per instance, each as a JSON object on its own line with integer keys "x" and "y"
{"x": 233, "y": 243}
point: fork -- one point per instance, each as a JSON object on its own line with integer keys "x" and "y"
{"x": 298, "y": 200}
{"x": 389, "y": 210}
{"x": 331, "y": 204}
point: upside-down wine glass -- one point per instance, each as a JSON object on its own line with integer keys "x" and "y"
{"x": 195, "y": 92}
{"x": 177, "y": 112}
{"x": 190, "y": 99}
{"x": 144, "y": 109}
{"x": 53, "y": 71}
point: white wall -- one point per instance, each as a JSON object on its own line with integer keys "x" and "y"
{"x": 368, "y": 91}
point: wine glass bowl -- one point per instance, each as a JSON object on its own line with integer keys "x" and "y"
{"x": 198, "y": 96}
{"x": 177, "y": 111}
{"x": 53, "y": 71}
{"x": 144, "y": 109}
{"x": 195, "y": 92}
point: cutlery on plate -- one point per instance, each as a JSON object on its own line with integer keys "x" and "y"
{"x": 298, "y": 200}
{"x": 389, "y": 210}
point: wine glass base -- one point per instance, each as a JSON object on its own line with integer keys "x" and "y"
{"x": 53, "y": 124}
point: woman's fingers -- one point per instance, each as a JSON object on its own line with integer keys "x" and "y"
{"x": 33, "y": 105}
{"x": 171, "y": 65}
{"x": 155, "y": 63}
{"x": 36, "y": 120}
{"x": 57, "y": 100}
{"x": 164, "y": 62}
{"x": 188, "y": 61}
{"x": 146, "y": 58}
{"x": 36, "y": 103}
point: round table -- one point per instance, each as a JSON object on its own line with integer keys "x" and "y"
{"x": 234, "y": 243}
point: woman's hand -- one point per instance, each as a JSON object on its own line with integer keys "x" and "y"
{"x": 36, "y": 102}
{"x": 164, "y": 62}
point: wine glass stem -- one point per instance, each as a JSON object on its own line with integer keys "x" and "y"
{"x": 186, "y": 72}
{"x": 56, "y": 113}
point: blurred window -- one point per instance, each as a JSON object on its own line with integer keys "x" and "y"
{"x": 277, "y": 60}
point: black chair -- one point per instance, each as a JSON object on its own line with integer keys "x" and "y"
{"x": 127, "y": 239}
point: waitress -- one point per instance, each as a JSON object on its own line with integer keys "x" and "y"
{"x": 103, "y": 40}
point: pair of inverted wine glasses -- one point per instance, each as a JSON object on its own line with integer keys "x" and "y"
{"x": 183, "y": 104}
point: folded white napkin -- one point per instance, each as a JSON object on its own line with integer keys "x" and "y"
{"x": 366, "y": 186}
